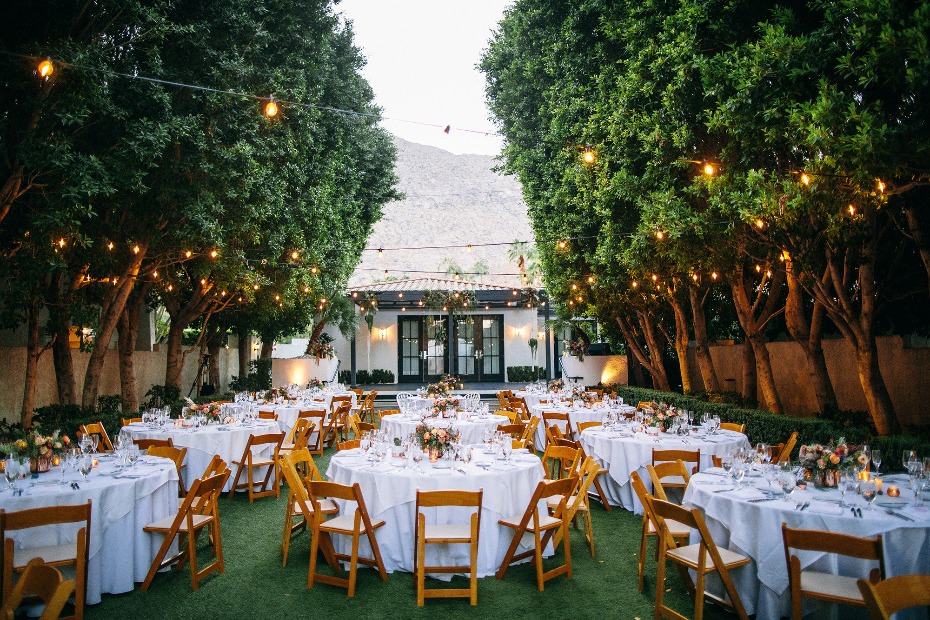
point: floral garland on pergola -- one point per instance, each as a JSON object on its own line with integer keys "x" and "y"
{"x": 456, "y": 302}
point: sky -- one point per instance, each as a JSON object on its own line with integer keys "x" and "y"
{"x": 422, "y": 57}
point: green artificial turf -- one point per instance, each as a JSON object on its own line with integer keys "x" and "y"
{"x": 255, "y": 585}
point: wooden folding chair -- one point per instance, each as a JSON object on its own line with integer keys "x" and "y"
{"x": 601, "y": 494}
{"x": 265, "y": 414}
{"x": 446, "y": 534}
{"x": 298, "y": 436}
{"x": 15, "y": 560}
{"x": 599, "y": 393}
{"x": 199, "y": 510}
{"x": 577, "y": 505}
{"x": 145, "y": 444}
{"x": 96, "y": 428}
{"x": 542, "y": 526}
{"x": 510, "y": 414}
{"x": 502, "y": 400}
{"x": 296, "y": 466}
{"x": 529, "y": 433}
{"x": 353, "y": 524}
{"x": 514, "y": 430}
{"x": 250, "y": 461}
{"x": 702, "y": 557}
{"x": 383, "y": 413}
{"x": 676, "y": 530}
{"x": 827, "y": 586}
{"x": 175, "y": 454}
{"x": 675, "y": 480}
{"x": 128, "y": 421}
{"x": 338, "y": 401}
{"x": 560, "y": 421}
{"x": 519, "y": 405}
{"x": 42, "y": 581}
{"x": 560, "y": 461}
{"x": 318, "y": 418}
{"x": 888, "y": 597}
{"x": 785, "y": 456}
{"x": 336, "y": 429}
{"x": 348, "y": 444}
{"x": 733, "y": 426}
{"x": 673, "y": 471}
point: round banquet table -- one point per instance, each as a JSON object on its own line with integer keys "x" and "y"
{"x": 576, "y": 415}
{"x": 287, "y": 412}
{"x": 399, "y": 426}
{"x": 739, "y": 521}
{"x": 226, "y": 440}
{"x": 120, "y": 553}
{"x": 390, "y": 491}
{"x": 621, "y": 451}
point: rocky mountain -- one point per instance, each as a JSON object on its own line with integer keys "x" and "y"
{"x": 449, "y": 200}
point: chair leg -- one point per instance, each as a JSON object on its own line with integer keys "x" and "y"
{"x": 286, "y": 539}
{"x": 235, "y": 483}
{"x": 602, "y": 494}
{"x": 642, "y": 554}
{"x": 217, "y": 544}
{"x": 157, "y": 561}
{"x": 314, "y": 551}
{"x": 474, "y": 571}
{"x": 192, "y": 557}
{"x": 353, "y": 565}
{"x": 699, "y": 594}
{"x": 420, "y": 560}
{"x": 568, "y": 551}
{"x": 537, "y": 559}
{"x": 660, "y": 581}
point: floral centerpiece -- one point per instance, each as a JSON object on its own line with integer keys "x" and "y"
{"x": 576, "y": 348}
{"x": 664, "y": 416}
{"x": 581, "y": 393}
{"x": 822, "y": 463}
{"x": 444, "y": 402}
{"x": 442, "y": 387}
{"x": 321, "y": 347}
{"x": 38, "y": 447}
{"x": 211, "y": 411}
{"x": 556, "y": 385}
{"x": 278, "y": 392}
{"x": 315, "y": 384}
{"x": 436, "y": 439}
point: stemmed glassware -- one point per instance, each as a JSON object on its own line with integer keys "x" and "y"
{"x": 11, "y": 470}
{"x": 869, "y": 490}
{"x": 86, "y": 465}
{"x": 877, "y": 460}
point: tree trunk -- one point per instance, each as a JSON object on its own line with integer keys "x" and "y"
{"x": 128, "y": 330}
{"x": 920, "y": 236}
{"x": 214, "y": 342}
{"x": 649, "y": 357}
{"x": 657, "y": 368}
{"x": 682, "y": 340}
{"x": 111, "y": 308}
{"x": 174, "y": 359}
{"x": 32, "y": 363}
{"x": 764, "y": 373}
{"x": 245, "y": 353}
{"x": 810, "y": 337}
{"x": 876, "y": 393}
{"x": 267, "y": 349}
{"x": 702, "y": 347}
{"x": 60, "y": 318}
{"x": 749, "y": 386}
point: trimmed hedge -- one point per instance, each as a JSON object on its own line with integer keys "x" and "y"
{"x": 377, "y": 377}
{"x": 767, "y": 427}
{"x": 521, "y": 374}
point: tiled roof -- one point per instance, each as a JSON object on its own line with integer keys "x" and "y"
{"x": 428, "y": 284}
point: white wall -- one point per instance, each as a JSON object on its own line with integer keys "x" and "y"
{"x": 520, "y": 324}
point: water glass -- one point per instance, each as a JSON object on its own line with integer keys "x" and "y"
{"x": 877, "y": 460}
{"x": 869, "y": 491}
{"x": 11, "y": 470}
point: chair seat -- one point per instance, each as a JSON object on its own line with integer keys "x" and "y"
{"x": 326, "y": 505}
{"x": 345, "y": 524}
{"x": 262, "y": 462}
{"x": 831, "y": 586}
{"x": 554, "y": 502}
{"x": 676, "y": 528}
{"x": 545, "y": 521}
{"x": 689, "y": 556}
{"x": 674, "y": 481}
{"x": 449, "y": 532}
{"x": 164, "y": 525}
{"x": 52, "y": 554}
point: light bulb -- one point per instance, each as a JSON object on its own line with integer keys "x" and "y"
{"x": 271, "y": 109}
{"x": 46, "y": 68}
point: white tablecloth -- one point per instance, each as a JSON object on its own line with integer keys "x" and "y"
{"x": 287, "y": 412}
{"x": 472, "y": 429}
{"x": 577, "y": 415}
{"x": 390, "y": 495}
{"x": 226, "y": 440}
{"x": 629, "y": 452}
{"x": 754, "y": 530}
{"x": 120, "y": 553}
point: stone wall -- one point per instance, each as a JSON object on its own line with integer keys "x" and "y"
{"x": 906, "y": 372}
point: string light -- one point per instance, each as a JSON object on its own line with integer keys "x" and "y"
{"x": 110, "y": 246}
{"x": 403, "y": 308}
{"x": 852, "y": 210}
{"x": 694, "y": 277}
{"x": 590, "y": 279}
{"x": 61, "y": 242}
{"x": 214, "y": 253}
{"x": 380, "y": 251}
{"x": 170, "y": 288}
{"x": 635, "y": 283}
{"x": 135, "y": 249}
{"x": 881, "y": 186}
{"x": 760, "y": 223}
{"x": 574, "y": 287}
{"x": 307, "y": 289}
{"x": 758, "y": 269}
{"x": 313, "y": 270}
{"x": 46, "y": 68}
{"x": 468, "y": 248}
{"x": 660, "y": 235}
{"x": 254, "y": 287}
{"x": 709, "y": 169}
{"x": 806, "y": 180}
{"x": 187, "y": 254}
{"x": 589, "y": 156}
{"x": 714, "y": 275}
{"x": 562, "y": 244}
{"x": 154, "y": 274}
{"x": 295, "y": 255}
{"x": 203, "y": 281}
{"x": 271, "y": 108}
{"x": 654, "y": 277}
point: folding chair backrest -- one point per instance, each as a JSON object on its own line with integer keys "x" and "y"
{"x": 128, "y": 421}
{"x": 642, "y": 493}
{"x": 267, "y": 415}
{"x": 42, "y": 581}
{"x": 561, "y": 420}
{"x": 510, "y": 414}
{"x": 895, "y": 594}
{"x": 560, "y": 461}
{"x": 333, "y": 490}
{"x": 338, "y": 401}
{"x": 215, "y": 466}
{"x": 348, "y": 444}
{"x": 664, "y": 470}
{"x": 686, "y": 456}
{"x": 785, "y": 455}
{"x": 834, "y": 542}
{"x": 96, "y": 428}
{"x": 318, "y": 417}
{"x": 201, "y": 499}
{"x": 514, "y": 430}
{"x": 169, "y": 452}
{"x": 733, "y": 426}
{"x": 586, "y": 425}
{"x": 145, "y": 444}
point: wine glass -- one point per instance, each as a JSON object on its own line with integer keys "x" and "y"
{"x": 842, "y": 484}
{"x": 877, "y": 460}
{"x": 86, "y": 465}
{"x": 507, "y": 447}
{"x": 909, "y": 455}
{"x": 869, "y": 491}
{"x": 417, "y": 460}
{"x": 133, "y": 454}
{"x": 727, "y": 463}
{"x": 11, "y": 470}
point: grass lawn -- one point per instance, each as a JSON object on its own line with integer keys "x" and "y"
{"x": 256, "y": 586}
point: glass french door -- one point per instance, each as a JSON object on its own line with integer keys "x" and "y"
{"x": 421, "y": 348}
{"x": 479, "y": 347}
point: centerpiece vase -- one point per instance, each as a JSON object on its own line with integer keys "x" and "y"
{"x": 40, "y": 464}
{"x": 827, "y": 478}
{"x": 434, "y": 454}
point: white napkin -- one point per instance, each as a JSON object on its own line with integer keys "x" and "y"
{"x": 825, "y": 508}
{"x": 748, "y": 493}
{"x": 718, "y": 471}
{"x": 918, "y": 513}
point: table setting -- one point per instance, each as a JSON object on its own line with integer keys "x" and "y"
{"x": 288, "y": 402}
{"x": 746, "y": 501}
{"x": 579, "y": 411}
{"x": 205, "y": 437}
{"x": 473, "y": 425}
{"x": 127, "y": 490}
{"x": 390, "y": 475}
{"x": 624, "y": 446}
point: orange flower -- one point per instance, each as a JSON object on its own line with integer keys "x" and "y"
{"x": 835, "y": 459}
